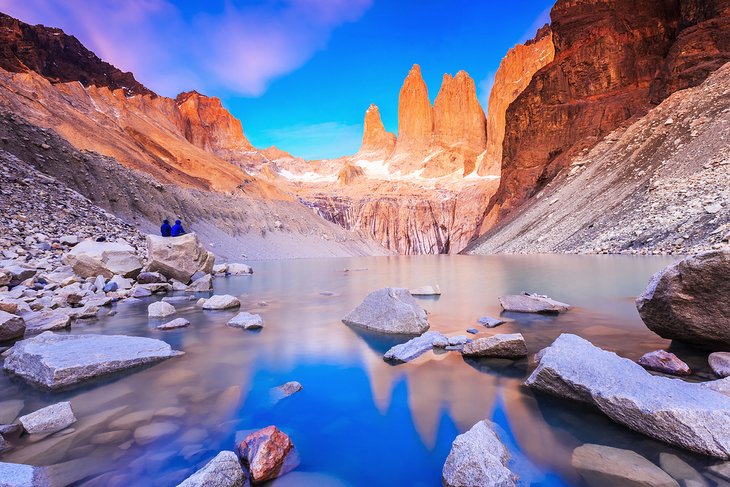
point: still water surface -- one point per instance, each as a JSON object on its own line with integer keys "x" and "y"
{"x": 358, "y": 421}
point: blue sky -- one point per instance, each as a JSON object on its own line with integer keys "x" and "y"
{"x": 298, "y": 73}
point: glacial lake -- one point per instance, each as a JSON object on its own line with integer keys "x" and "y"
{"x": 358, "y": 421}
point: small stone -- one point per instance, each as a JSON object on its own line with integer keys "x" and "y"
{"x": 49, "y": 419}
{"x": 720, "y": 363}
{"x": 663, "y": 361}
{"x": 160, "y": 309}
{"x": 265, "y": 453}
{"x": 413, "y": 348}
{"x": 247, "y": 321}
{"x": 473, "y": 331}
{"x": 174, "y": 324}
{"x": 490, "y": 322}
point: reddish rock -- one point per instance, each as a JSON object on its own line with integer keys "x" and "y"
{"x": 513, "y": 76}
{"x": 415, "y": 115}
{"x": 265, "y": 453}
{"x": 608, "y": 65}
{"x": 349, "y": 174}
{"x": 663, "y": 361}
{"x": 206, "y": 124}
{"x": 375, "y": 138}
{"x": 58, "y": 57}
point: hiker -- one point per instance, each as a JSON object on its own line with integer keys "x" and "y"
{"x": 177, "y": 229}
{"x": 165, "y": 229}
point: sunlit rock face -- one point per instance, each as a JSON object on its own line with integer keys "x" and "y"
{"x": 613, "y": 59}
{"x": 513, "y": 76}
{"x": 376, "y": 141}
{"x": 415, "y": 116}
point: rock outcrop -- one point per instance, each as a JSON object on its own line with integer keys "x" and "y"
{"x": 690, "y": 301}
{"x": 376, "y": 141}
{"x": 607, "y": 56}
{"x": 513, "y": 76}
{"x": 415, "y": 117}
{"x": 680, "y": 413}
{"x": 389, "y": 310}
{"x": 178, "y": 257}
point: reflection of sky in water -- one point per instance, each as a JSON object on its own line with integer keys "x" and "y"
{"x": 359, "y": 420}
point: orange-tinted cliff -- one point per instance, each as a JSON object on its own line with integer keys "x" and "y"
{"x": 513, "y": 76}
{"x": 375, "y": 138}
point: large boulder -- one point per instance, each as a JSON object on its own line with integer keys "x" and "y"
{"x": 680, "y": 413}
{"x": 223, "y": 471}
{"x": 266, "y": 454}
{"x": 59, "y": 361}
{"x": 478, "y": 458}
{"x": 415, "y": 347}
{"x": 604, "y": 465}
{"x": 498, "y": 346}
{"x": 389, "y": 310}
{"x": 11, "y": 326}
{"x": 690, "y": 301}
{"x": 91, "y": 259}
{"x": 178, "y": 257}
{"x": 49, "y": 419}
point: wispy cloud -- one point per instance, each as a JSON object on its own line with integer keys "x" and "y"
{"x": 319, "y": 141}
{"x": 239, "y": 48}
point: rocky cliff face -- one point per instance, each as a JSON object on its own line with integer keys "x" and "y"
{"x": 513, "y": 76}
{"x": 375, "y": 138}
{"x": 612, "y": 58}
{"x": 58, "y": 57}
{"x": 415, "y": 116}
{"x": 206, "y": 124}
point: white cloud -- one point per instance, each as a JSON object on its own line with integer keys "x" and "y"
{"x": 240, "y": 48}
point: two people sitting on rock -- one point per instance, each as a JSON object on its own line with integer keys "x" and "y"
{"x": 172, "y": 231}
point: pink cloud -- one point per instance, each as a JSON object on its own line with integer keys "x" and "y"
{"x": 240, "y": 48}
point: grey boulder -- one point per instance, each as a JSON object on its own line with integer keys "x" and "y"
{"x": 497, "y": 346}
{"x": 532, "y": 303}
{"x": 11, "y": 326}
{"x": 389, "y": 310}
{"x": 174, "y": 324}
{"x": 59, "y": 361}
{"x": 160, "y": 309}
{"x": 414, "y": 348}
{"x": 49, "y": 419}
{"x": 178, "y": 257}
{"x": 720, "y": 363}
{"x": 221, "y": 301}
{"x": 91, "y": 259}
{"x": 683, "y": 414}
{"x": 604, "y": 465}
{"x": 247, "y": 321}
{"x": 222, "y": 471}
{"x": 478, "y": 458}
{"x": 690, "y": 301}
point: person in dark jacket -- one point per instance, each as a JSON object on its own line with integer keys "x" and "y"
{"x": 177, "y": 229}
{"x": 165, "y": 229}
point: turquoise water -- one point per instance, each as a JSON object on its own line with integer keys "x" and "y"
{"x": 359, "y": 421}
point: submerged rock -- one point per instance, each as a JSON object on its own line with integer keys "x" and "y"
{"x": 160, "y": 309}
{"x": 247, "y": 321}
{"x": 389, "y": 310}
{"x": 426, "y": 291}
{"x": 680, "y": 413}
{"x": 174, "y": 324}
{"x": 49, "y": 419}
{"x": 222, "y": 471}
{"x": 414, "y": 348}
{"x": 221, "y": 301}
{"x": 91, "y": 259}
{"x": 265, "y": 452}
{"x": 720, "y": 363}
{"x": 604, "y": 465}
{"x": 689, "y": 300}
{"x": 478, "y": 458}
{"x": 11, "y": 326}
{"x": 286, "y": 390}
{"x": 497, "y": 346}
{"x": 178, "y": 257}
{"x": 58, "y": 361}
{"x": 149, "y": 433}
{"x": 663, "y": 361}
{"x": 532, "y": 303}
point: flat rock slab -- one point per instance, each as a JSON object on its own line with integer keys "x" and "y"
{"x": 665, "y": 362}
{"x": 490, "y": 322}
{"x": 532, "y": 303}
{"x": 174, "y": 324}
{"x": 426, "y": 291}
{"x": 414, "y": 348}
{"x": 221, "y": 301}
{"x": 247, "y": 321}
{"x": 604, "y": 465}
{"x": 49, "y": 419}
{"x": 389, "y": 310}
{"x": 680, "y": 413}
{"x": 223, "y": 471}
{"x": 478, "y": 458}
{"x": 58, "y": 361}
{"x": 689, "y": 300}
{"x": 497, "y": 346}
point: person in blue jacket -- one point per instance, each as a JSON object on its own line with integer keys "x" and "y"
{"x": 177, "y": 229}
{"x": 165, "y": 229}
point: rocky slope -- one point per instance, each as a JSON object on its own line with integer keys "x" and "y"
{"x": 613, "y": 58}
{"x": 661, "y": 185}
